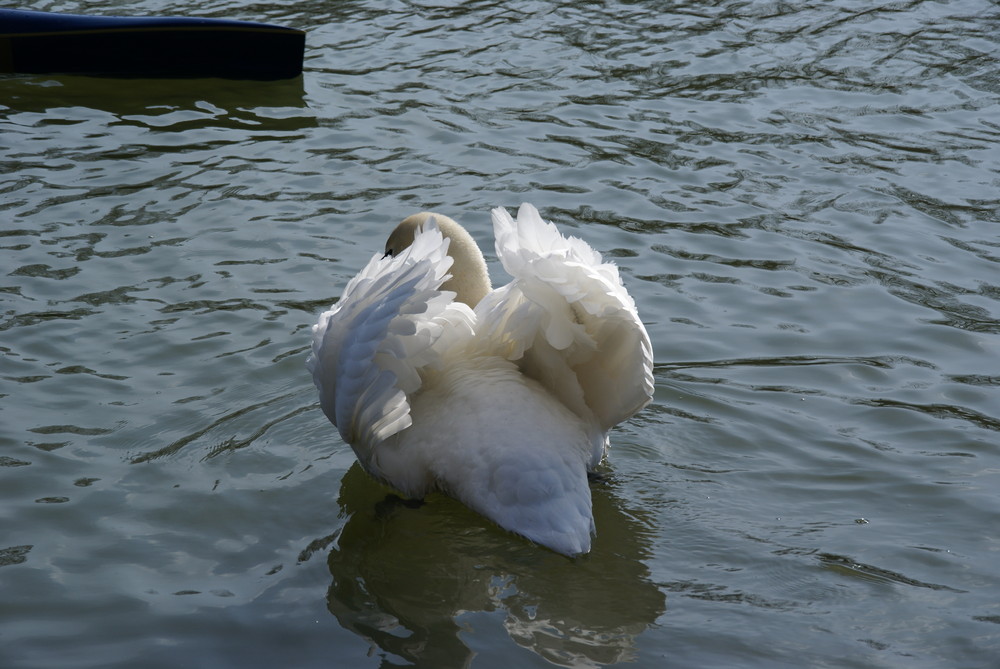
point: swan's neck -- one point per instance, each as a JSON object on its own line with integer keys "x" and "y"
{"x": 470, "y": 279}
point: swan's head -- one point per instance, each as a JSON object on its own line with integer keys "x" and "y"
{"x": 469, "y": 278}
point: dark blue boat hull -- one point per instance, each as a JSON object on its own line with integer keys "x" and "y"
{"x": 44, "y": 43}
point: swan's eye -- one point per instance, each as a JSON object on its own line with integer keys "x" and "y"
{"x": 389, "y": 252}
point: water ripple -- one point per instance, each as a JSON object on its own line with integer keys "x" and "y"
{"x": 801, "y": 198}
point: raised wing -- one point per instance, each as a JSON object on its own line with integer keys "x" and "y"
{"x": 391, "y": 322}
{"x": 568, "y": 321}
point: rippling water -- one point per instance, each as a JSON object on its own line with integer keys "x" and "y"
{"x": 803, "y": 199}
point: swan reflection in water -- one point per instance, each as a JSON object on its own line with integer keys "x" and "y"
{"x": 412, "y": 581}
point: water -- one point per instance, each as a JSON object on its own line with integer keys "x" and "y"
{"x": 803, "y": 199}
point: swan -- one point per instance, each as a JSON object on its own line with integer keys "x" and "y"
{"x": 501, "y": 398}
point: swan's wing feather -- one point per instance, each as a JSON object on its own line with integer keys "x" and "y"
{"x": 568, "y": 320}
{"x": 391, "y": 323}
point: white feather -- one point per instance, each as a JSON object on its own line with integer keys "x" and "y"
{"x": 369, "y": 349}
{"x": 569, "y": 322}
{"x": 505, "y": 408}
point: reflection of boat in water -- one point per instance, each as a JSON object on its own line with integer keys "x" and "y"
{"x": 242, "y": 101}
{"x": 410, "y": 580}
{"x": 44, "y": 43}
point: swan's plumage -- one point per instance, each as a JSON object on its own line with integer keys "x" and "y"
{"x": 505, "y": 407}
{"x": 569, "y": 322}
{"x": 391, "y": 323}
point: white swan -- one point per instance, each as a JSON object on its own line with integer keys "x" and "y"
{"x": 501, "y": 398}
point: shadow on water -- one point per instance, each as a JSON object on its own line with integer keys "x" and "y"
{"x": 412, "y": 580}
{"x": 39, "y": 93}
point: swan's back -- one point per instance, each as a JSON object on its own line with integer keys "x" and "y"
{"x": 502, "y": 445}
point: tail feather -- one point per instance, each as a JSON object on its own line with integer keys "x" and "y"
{"x": 543, "y": 495}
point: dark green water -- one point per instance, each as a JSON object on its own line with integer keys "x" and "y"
{"x": 804, "y": 199}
